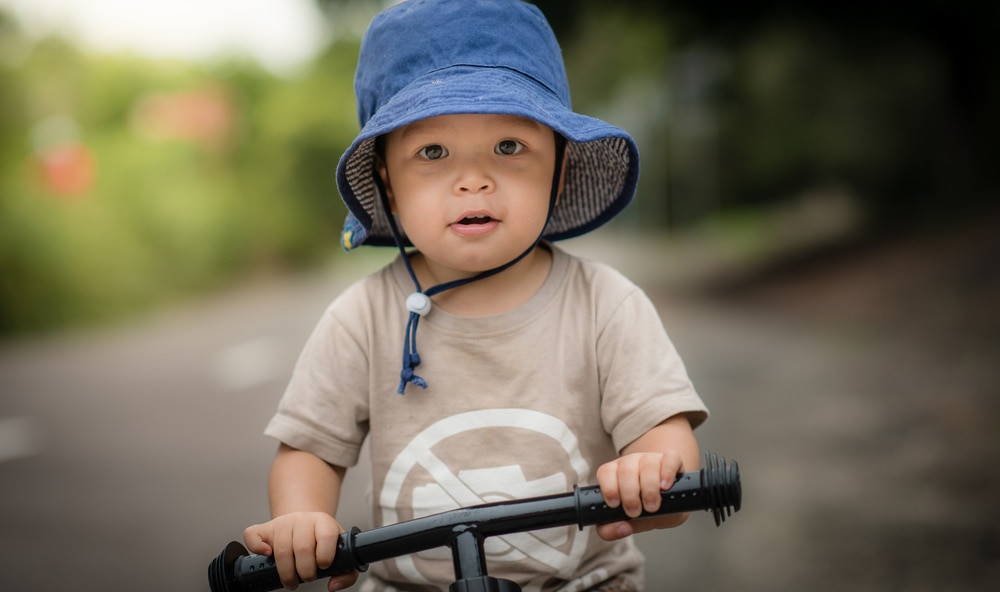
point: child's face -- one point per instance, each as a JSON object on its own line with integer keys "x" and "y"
{"x": 471, "y": 191}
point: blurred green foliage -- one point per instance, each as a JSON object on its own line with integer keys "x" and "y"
{"x": 183, "y": 177}
{"x": 193, "y": 177}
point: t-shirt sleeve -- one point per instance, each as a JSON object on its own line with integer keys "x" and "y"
{"x": 643, "y": 379}
{"x": 325, "y": 407}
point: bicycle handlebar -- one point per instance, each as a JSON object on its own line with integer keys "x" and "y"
{"x": 715, "y": 488}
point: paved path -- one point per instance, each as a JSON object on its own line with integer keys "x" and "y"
{"x": 129, "y": 456}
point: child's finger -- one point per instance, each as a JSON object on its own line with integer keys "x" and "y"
{"x": 284, "y": 558}
{"x": 671, "y": 465}
{"x": 629, "y": 486}
{"x": 326, "y": 543}
{"x": 254, "y": 538}
{"x": 342, "y": 582}
{"x": 304, "y": 547}
{"x": 650, "y": 481}
{"x": 607, "y": 479}
{"x": 613, "y": 531}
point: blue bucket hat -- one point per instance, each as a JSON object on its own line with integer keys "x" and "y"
{"x": 424, "y": 58}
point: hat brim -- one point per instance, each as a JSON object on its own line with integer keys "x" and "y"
{"x": 602, "y": 160}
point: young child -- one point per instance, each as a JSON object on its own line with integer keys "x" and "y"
{"x": 536, "y": 371}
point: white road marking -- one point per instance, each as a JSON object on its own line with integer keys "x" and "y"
{"x": 19, "y": 437}
{"x": 248, "y": 364}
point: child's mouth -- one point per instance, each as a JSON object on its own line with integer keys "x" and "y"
{"x": 475, "y": 224}
{"x": 468, "y": 220}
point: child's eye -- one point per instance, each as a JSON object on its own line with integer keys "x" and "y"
{"x": 433, "y": 152}
{"x": 508, "y": 147}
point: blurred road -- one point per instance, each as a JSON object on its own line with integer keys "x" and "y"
{"x": 129, "y": 456}
{"x": 134, "y": 454}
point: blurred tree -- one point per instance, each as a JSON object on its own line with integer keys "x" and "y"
{"x": 127, "y": 182}
{"x": 13, "y": 103}
{"x": 896, "y": 102}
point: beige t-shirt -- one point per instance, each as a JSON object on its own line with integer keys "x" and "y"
{"x": 520, "y": 404}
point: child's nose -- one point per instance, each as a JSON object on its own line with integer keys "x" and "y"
{"x": 474, "y": 178}
{"x": 475, "y": 187}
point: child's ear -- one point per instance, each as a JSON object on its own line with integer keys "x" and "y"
{"x": 383, "y": 172}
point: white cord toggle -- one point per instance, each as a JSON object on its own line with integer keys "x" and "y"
{"x": 419, "y": 303}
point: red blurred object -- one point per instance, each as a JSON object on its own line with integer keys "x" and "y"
{"x": 67, "y": 169}
{"x": 204, "y": 116}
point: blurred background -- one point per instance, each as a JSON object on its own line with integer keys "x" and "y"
{"x": 817, "y": 221}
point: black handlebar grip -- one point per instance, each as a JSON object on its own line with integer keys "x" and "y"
{"x": 236, "y": 570}
{"x": 716, "y": 488}
{"x": 592, "y": 509}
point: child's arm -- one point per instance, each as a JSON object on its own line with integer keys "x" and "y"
{"x": 302, "y": 535}
{"x": 646, "y": 466}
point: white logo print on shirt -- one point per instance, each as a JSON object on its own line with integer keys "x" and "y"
{"x": 444, "y": 488}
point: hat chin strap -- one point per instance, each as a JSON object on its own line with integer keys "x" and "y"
{"x": 419, "y": 302}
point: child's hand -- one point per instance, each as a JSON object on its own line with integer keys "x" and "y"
{"x": 634, "y": 481}
{"x": 301, "y": 543}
